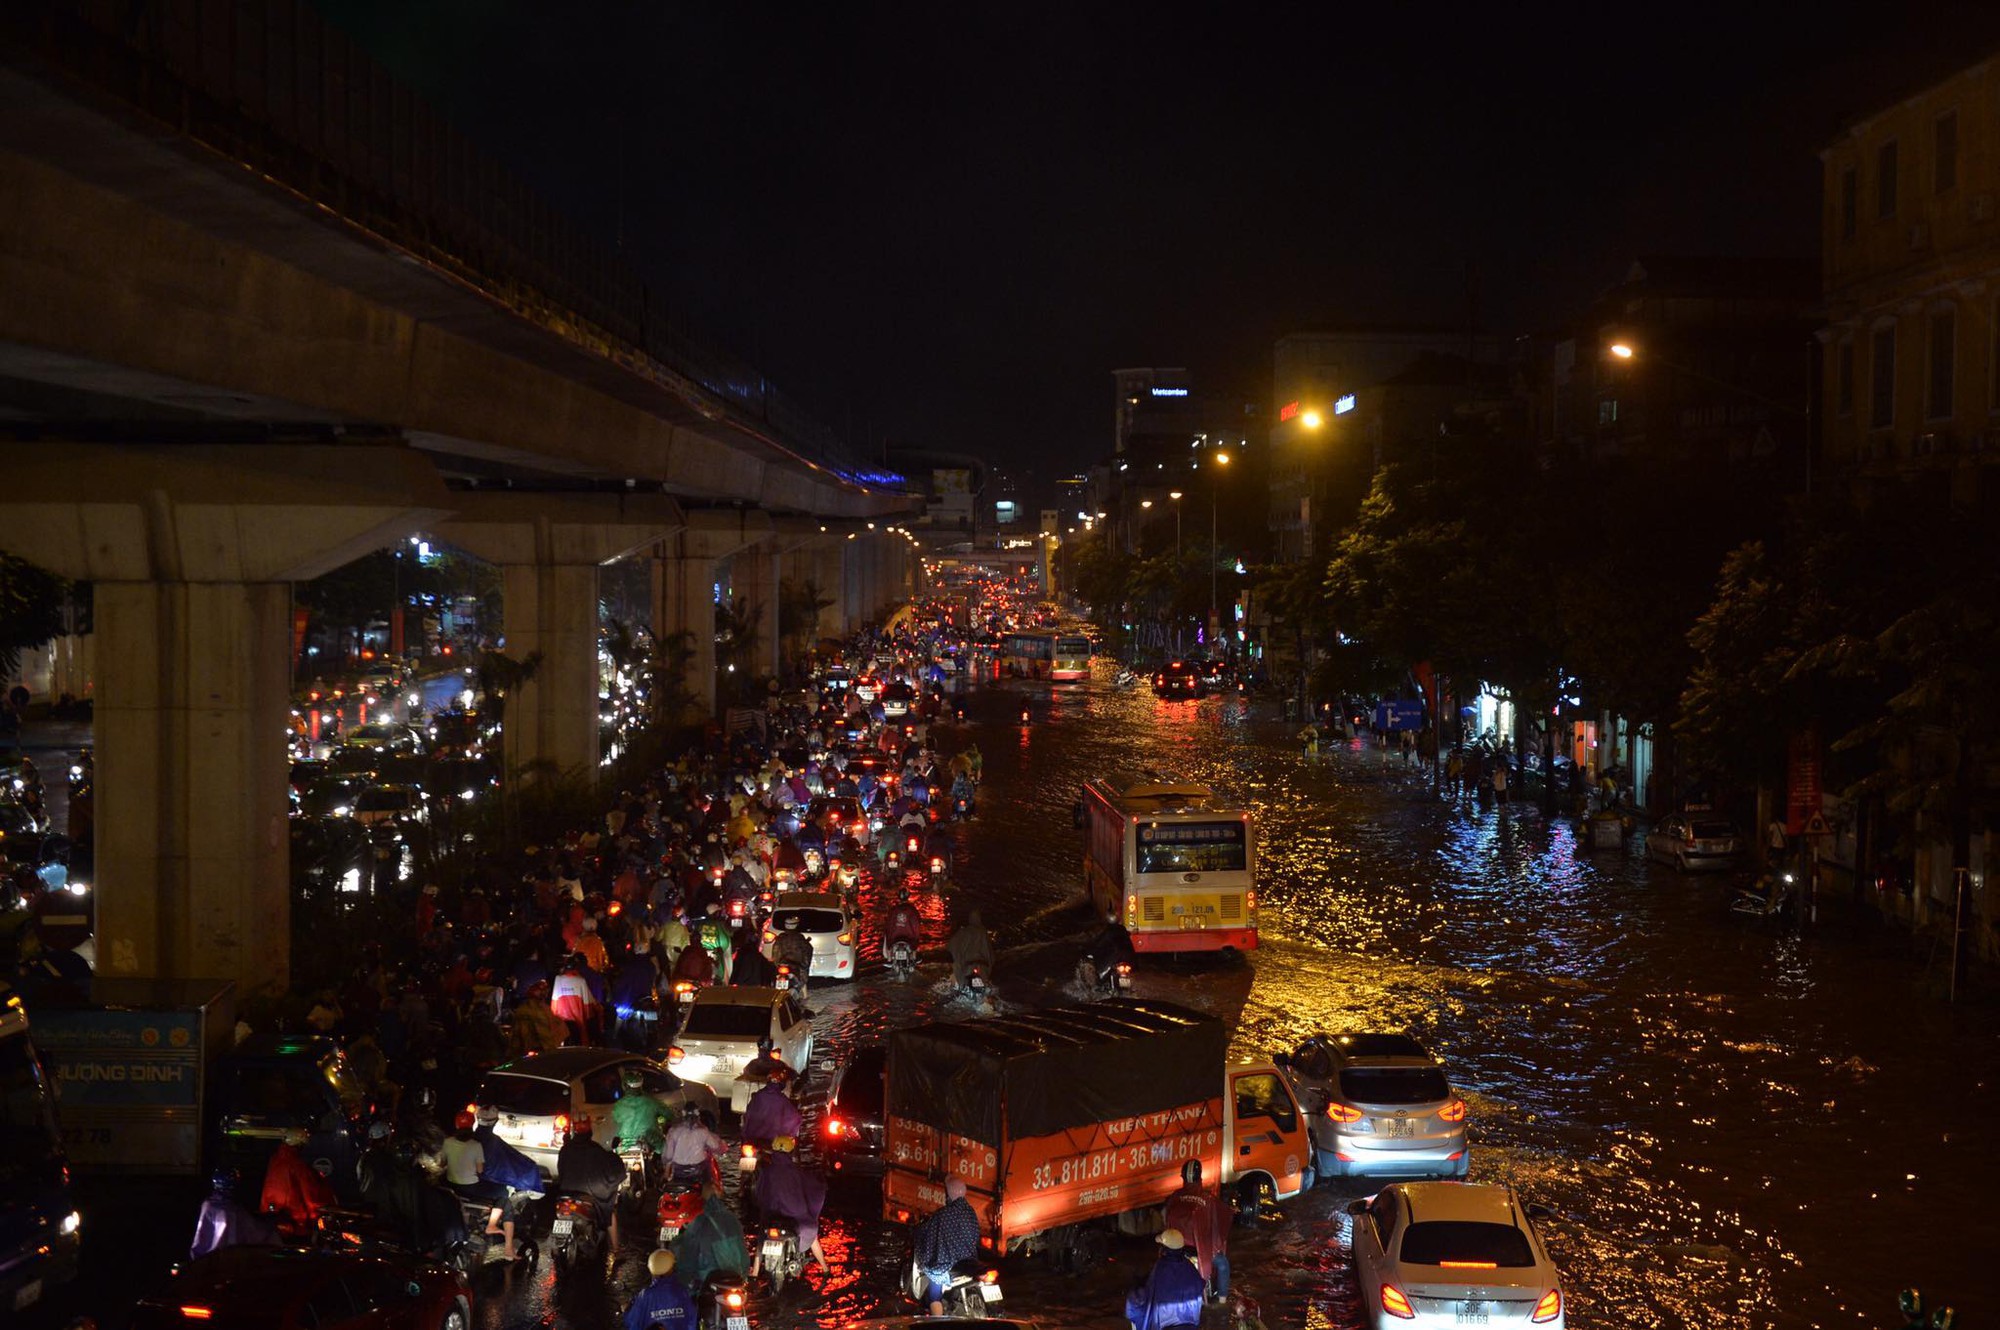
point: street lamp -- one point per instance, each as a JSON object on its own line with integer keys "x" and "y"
{"x": 1311, "y": 419}
{"x": 1214, "y": 550}
{"x": 1622, "y": 350}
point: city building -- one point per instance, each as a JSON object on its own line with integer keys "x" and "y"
{"x": 1910, "y": 233}
{"x": 1151, "y": 402}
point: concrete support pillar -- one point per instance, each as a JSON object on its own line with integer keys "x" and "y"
{"x": 684, "y": 601}
{"x": 192, "y": 867}
{"x": 754, "y": 579}
{"x": 685, "y": 572}
{"x": 192, "y": 549}
{"x": 549, "y": 548}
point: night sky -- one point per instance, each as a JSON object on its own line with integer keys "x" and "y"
{"x": 946, "y": 224}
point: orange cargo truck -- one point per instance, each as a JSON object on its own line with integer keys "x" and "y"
{"x": 1068, "y": 1116}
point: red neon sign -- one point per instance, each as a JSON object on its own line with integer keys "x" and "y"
{"x": 1287, "y": 411}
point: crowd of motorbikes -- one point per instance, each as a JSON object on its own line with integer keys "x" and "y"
{"x": 825, "y": 786}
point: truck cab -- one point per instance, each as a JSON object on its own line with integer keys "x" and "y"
{"x": 298, "y": 1088}
{"x": 1269, "y": 1155}
{"x": 40, "y": 1229}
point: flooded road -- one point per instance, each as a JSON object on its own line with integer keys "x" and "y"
{"x": 1734, "y": 1129}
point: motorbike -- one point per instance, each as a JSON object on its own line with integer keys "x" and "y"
{"x": 815, "y": 863}
{"x": 961, "y": 806}
{"x": 1113, "y": 980}
{"x": 575, "y": 1235}
{"x": 939, "y": 869}
{"x": 977, "y": 987}
{"x": 641, "y": 1167}
{"x": 1768, "y": 898}
{"x": 784, "y": 982}
{"x": 901, "y": 958}
{"x": 892, "y": 858}
{"x": 778, "y": 1255}
{"x": 722, "y": 1302}
{"x": 479, "y": 1245}
{"x": 968, "y": 1290}
{"x": 746, "y": 1158}
{"x": 680, "y": 1202}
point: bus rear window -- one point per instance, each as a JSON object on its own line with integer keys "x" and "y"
{"x": 1193, "y": 847}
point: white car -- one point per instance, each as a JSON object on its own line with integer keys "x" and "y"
{"x": 823, "y": 919}
{"x": 1430, "y": 1255}
{"x": 719, "y": 1034}
{"x": 538, "y": 1096}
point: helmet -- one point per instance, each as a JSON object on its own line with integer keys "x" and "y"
{"x": 488, "y": 1114}
{"x": 464, "y": 1121}
{"x": 660, "y": 1263}
{"x": 633, "y": 1078}
{"x": 1191, "y": 1173}
{"x": 225, "y": 1181}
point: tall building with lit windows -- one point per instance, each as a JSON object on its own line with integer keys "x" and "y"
{"x": 1911, "y": 277}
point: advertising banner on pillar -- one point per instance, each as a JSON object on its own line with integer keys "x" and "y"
{"x": 301, "y": 617}
{"x": 1802, "y": 785}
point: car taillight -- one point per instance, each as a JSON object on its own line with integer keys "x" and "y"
{"x": 834, "y": 1126}
{"x": 1343, "y": 1113}
{"x": 769, "y": 937}
{"x": 845, "y": 939}
{"x": 1468, "y": 1265}
{"x": 676, "y": 1053}
{"x": 1394, "y": 1303}
{"x": 1452, "y": 1112}
{"x": 1550, "y": 1307}
{"x": 197, "y": 1313}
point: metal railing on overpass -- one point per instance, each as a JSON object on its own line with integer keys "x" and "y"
{"x": 273, "y": 86}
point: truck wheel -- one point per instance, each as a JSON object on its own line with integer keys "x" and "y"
{"x": 1249, "y": 1197}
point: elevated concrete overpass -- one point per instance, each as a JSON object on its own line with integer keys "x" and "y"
{"x": 261, "y": 312}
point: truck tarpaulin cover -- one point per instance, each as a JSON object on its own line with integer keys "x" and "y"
{"x": 1055, "y": 1069}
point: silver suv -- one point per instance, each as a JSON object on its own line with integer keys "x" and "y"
{"x": 1378, "y": 1105}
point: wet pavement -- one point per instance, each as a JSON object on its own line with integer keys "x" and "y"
{"x": 1734, "y": 1128}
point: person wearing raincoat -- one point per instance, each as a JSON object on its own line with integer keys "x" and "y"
{"x": 712, "y": 1241}
{"x": 1172, "y": 1292}
{"x": 786, "y": 1190}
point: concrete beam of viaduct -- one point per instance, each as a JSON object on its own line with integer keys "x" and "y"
{"x": 193, "y": 550}
{"x": 549, "y": 548}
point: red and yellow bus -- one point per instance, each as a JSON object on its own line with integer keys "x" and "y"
{"x": 1170, "y": 861}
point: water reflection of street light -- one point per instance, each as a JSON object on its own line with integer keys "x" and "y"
{"x": 1214, "y": 551}
{"x": 1175, "y": 495}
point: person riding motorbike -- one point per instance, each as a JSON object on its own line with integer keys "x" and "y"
{"x": 713, "y": 1239}
{"x": 970, "y": 946}
{"x": 749, "y": 967}
{"x": 664, "y": 1302}
{"x": 771, "y": 1114}
{"x": 585, "y": 1168}
{"x": 637, "y": 1115}
{"x": 690, "y": 1149}
{"x": 633, "y": 983}
{"x": 786, "y": 1190}
{"x": 574, "y": 1002}
{"x": 1204, "y": 1220}
{"x": 294, "y": 1192}
{"x": 225, "y": 1221}
{"x": 464, "y": 1158}
{"x": 903, "y": 923}
{"x": 1111, "y": 947}
{"x": 950, "y": 1234}
{"x": 1172, "y": 1292}
{"x": 509, "y": 1168}
{"x": 793, "y": 948}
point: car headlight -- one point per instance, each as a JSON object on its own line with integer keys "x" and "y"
{"x": 77, "y": 888}
{"x": 71, "y": 1223}
{"x": 343, "y": 810}
{"x": 467, "y": 793}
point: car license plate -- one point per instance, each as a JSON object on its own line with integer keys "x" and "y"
{"x": 990, "y": 1292}
{"x": 561, "y": 1228}
{"x": 738, "y": 1323}
{"x": 26, "y": 1295}
{"x": 1472, "y": 1313}
{"x": 1396, "y": 1126}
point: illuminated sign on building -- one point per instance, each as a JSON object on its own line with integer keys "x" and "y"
{"x": 1287, "y": 411}
{"x": 1170, "y": 392}
{"x": 1343, "y": 405}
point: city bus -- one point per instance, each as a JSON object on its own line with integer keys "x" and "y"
{"x": 1172, "y": 862}
{"x": 1064, "y": 657}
